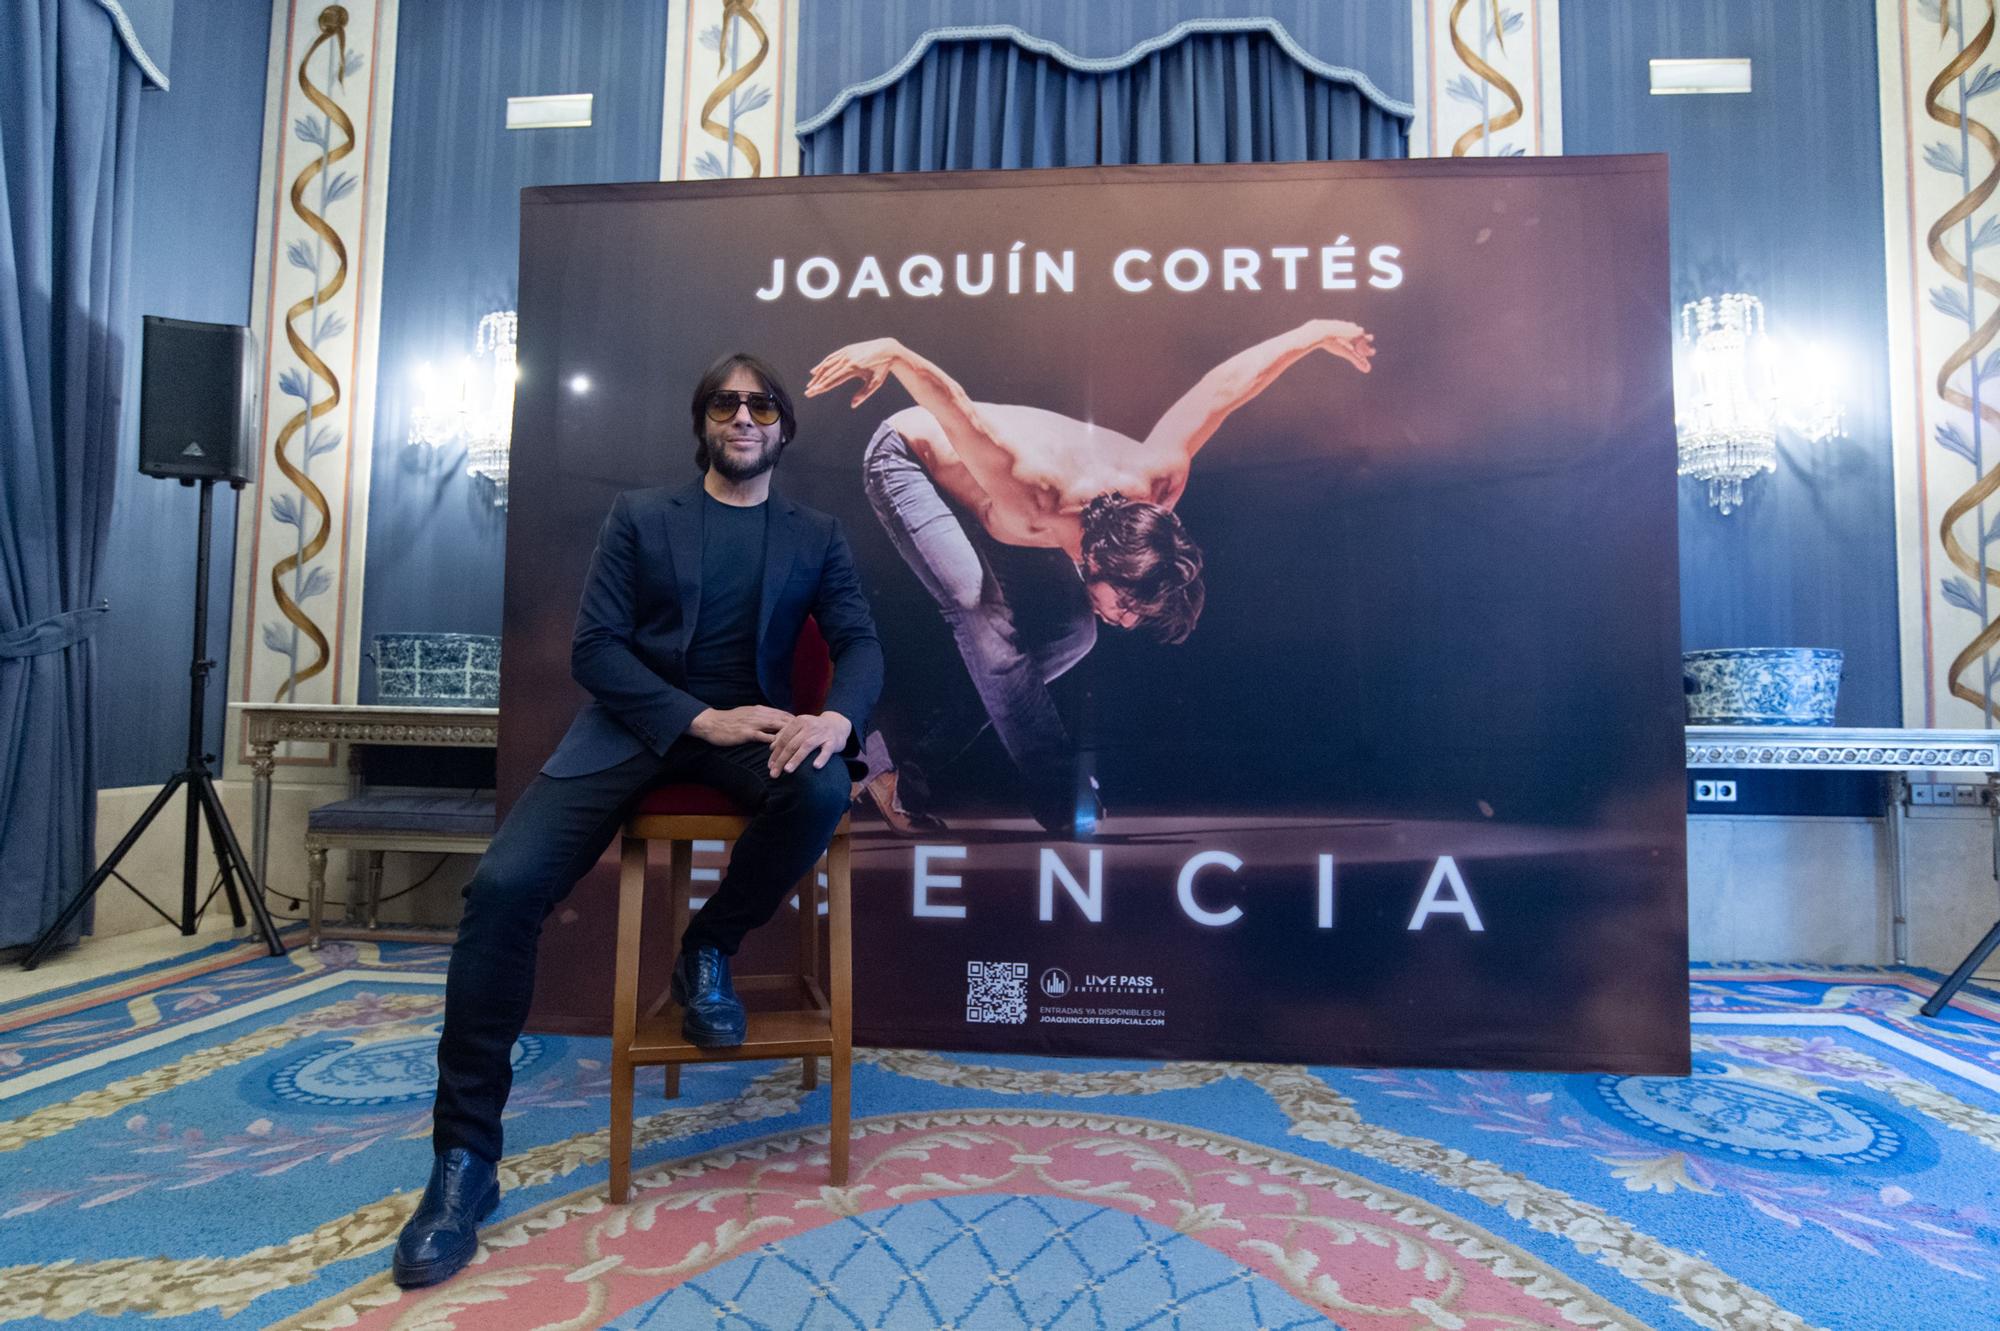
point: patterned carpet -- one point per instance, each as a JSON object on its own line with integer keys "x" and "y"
{"x": 231, "y": 1139}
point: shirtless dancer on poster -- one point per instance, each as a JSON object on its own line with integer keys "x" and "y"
{"x": 1027, "y": 526}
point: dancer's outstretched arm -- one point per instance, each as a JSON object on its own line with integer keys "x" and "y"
{"x": 1187, "y": 424}
{"x": 974, "y": 437}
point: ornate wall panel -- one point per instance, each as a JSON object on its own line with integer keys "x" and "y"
{"x": 302, "y": 530}
{"x": 1940, "y": 168}
{"x": 734, "y": 65}
{"x": 1488, "y": 78}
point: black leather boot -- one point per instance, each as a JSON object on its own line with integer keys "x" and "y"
{"x": 443, "y": 1234}
{"x": 713, "y": 1016}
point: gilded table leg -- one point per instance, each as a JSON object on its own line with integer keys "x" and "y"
{"x": 262, "y": 764}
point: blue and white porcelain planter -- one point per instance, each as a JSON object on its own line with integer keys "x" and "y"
{"x": 1761, "y": 686}
{"x": 436, "y": 669}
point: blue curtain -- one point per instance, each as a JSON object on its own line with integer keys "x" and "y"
{"x": 69, "y": 103}
{"x": 968, "y": 104}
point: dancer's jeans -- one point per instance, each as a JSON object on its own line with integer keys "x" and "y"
{"x": 1020, "y": 617}
{"x": 552, "y": 836}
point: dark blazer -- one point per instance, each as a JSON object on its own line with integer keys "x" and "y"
{"x": 638, "y": 615}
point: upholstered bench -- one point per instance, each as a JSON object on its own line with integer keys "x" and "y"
{"x": 378, "y": 823}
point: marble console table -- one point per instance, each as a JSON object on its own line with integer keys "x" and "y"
{"x": 1896, "y": 753}
{"x": 267, "y": 725}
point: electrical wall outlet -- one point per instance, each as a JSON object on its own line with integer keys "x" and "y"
{"x": 1951, "y": 792}
{"x": 1714, "y": 792}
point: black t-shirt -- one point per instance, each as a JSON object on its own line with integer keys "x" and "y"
{"x": 722, "y": 659}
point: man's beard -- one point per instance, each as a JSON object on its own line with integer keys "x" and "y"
{"x": 730, "y": 469}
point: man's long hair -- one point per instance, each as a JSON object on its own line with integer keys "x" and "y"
{"x": 718, "y": 374}
{"x": 1142, "y": 550}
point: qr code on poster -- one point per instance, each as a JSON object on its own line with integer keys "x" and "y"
{"x": 996, "y": 991}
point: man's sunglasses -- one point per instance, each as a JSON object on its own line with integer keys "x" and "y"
{"x": 722, "y": 405}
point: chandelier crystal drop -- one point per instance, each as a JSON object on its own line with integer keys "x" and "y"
{"x": 1728, "y": 417}
{"x": 475, "y": 405}
{"x": 487, "y": 441}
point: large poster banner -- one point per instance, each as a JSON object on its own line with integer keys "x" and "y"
{"x": 1275, "y": 567}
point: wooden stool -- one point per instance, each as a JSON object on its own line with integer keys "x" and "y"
{"x": 822, "y": 1024}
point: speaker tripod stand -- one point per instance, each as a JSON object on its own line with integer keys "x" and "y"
{"x": 204, "y": 805}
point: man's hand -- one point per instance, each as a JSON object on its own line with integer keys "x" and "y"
{"x": 741, "y": 725}
{"x": 870, "y": 362}
{"x": 826, "y": 732}
{"x": 1345, "y": 340}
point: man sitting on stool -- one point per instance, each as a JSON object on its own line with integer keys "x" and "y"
{"x": 684, "y": 639}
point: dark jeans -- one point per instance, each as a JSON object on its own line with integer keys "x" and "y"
{"x": 1019, "y": 616}
{"x": 553, "y": 835}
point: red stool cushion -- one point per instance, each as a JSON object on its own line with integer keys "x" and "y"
{"x": 687, "y": 798}
{"x": 812, "y": 676}
{"x": 812, "y": 669}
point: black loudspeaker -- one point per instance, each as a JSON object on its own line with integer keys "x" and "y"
{"x": 198, "y": 401}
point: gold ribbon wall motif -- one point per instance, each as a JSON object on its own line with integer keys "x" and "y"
{"x": 733, "y": 11}
{"x": 1979, "y": 338}
{"x": 1516, "y": 108}
{"x": 332, "y": 28}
